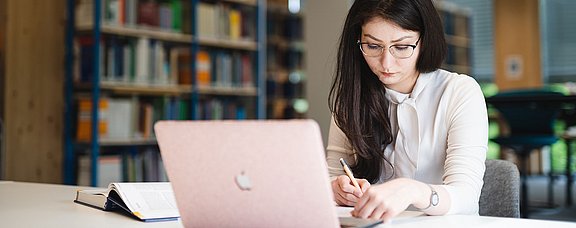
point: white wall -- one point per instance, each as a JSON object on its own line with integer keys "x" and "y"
{"x": 322, "y": 27}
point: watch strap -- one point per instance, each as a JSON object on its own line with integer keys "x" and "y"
{"x": 434, "y": 199}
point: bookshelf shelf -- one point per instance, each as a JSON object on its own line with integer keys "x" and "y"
{"x": 138, "y": 31}
{"x": 245, "y": 2}
{"x": 228, "y": 91}
{"x": 285, "y": 44}
{"x": 122, "y": 142}
{"x": 148, "y": 90}
{"x": 132, "y": 89}
{"x": 127, "y": 142}
{"x": 231, "y": 44}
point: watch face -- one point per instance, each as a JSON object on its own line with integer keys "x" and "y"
{"x": 434, "y": 199}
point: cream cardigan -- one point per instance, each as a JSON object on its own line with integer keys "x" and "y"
{"x": 441, "y": 137}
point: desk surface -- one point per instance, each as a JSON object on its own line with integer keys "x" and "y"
{"x": 46, "y": 205}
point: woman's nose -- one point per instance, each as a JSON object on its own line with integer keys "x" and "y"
{"x": 386, "y": 59}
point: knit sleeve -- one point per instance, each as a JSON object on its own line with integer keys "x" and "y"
{"x": 467, "y": 144}
{"x": 338, "y": 147}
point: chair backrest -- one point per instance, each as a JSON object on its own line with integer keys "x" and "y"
{"x": 529, "y": 117}
{"x": 500, "y": 195}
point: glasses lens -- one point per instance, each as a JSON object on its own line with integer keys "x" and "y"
{"x": 402, "y": 51}
{"x": 371, "y": 49}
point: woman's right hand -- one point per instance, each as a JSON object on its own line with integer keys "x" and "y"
{"x": 345, "y": 193}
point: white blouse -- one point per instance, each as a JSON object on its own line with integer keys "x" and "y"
{"x": 441, "y": 137}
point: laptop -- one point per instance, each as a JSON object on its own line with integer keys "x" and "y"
{"x": 249, "y": 173}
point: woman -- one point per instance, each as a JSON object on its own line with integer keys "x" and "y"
{"x": 414, "y": 135}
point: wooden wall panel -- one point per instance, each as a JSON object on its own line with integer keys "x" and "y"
{"x": 34, "y": 90}
{"x": 2, "y": 51}
{"x": 517, "y": 44}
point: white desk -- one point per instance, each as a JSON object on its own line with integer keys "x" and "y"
{"x": 46, "y": 205}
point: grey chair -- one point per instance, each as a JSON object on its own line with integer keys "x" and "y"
{"x": 500, "y": 195}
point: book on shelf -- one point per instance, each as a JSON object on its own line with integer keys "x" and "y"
{"x": 84, "y": 126}
{"x": 181, "y": 59}
{"x": 225, "y": 21}
{"x": 125, "y": 119}
{"x": 148, "y": 13}
{"x": 129, "y": 61}
{"x": 168, "y": 15}
{"x": 206, "y": 23}
{"x": 118, "y": 164}
{"x": 145, "y": 201}
{"x": 235, "y": 24}
{"x": 203, "y": 68}
{"x": 110, "y": 170}
{"x": 115, "y": 119}
{"x": 144, "y": 166}
{"x": 221, "y": 68}
{"x": 221, "y": 108}
{"x": 231, "y": 69}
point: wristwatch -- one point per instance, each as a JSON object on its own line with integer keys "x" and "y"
{"x": 434, "y": 199}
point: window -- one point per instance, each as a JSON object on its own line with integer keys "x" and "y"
{"x": 482, "y": 37}
{"x": 558, "y": 40}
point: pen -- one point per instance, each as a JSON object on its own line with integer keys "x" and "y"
{"x": 349, "y": 173}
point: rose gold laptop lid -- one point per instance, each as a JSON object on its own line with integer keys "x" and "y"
{"x": 248, "y": 173}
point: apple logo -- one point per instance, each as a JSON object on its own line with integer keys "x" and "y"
{"x": 243, "y": 182}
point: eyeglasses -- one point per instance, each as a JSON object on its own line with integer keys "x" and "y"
{"x": 399, "y": 51}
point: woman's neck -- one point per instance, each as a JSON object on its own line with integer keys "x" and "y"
{"x": 406, "y": 87}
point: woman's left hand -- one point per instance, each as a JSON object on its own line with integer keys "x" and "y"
{"x": 389, "y": 199}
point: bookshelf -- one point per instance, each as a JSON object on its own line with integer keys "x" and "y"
{"x": 130, "y": 63}
{"x": 456, "y": 21}
{"x": 285, "y": 74}
{"x": 231, "y": 56}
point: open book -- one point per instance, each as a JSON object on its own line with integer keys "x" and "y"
{"x": 149, "y": 201}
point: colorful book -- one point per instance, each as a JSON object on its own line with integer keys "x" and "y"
{"x": 149, "y": 13}
{"x": 84, "y": 124}
{"x": 203, "y": 67}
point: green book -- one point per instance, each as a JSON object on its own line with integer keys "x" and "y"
{"x": 176, "y": 6}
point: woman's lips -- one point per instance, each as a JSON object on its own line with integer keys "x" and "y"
{"x": 387, "y": 74}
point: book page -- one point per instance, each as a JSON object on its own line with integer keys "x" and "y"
{"x": 92, "y": 197}
{"x": 149, "y": 200}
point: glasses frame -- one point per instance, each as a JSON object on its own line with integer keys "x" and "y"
{"x": 413, "y": 46}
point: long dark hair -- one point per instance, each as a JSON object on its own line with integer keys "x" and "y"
{"x": 357, "y": 98}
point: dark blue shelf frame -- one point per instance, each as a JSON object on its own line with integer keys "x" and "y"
{"x": 194, "y": 95}
{"x": 69, "y": 158}
{"x": 69, "y": 145}
{"x": 261, "y": 59}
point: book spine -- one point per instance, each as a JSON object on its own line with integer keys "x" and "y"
{"x": 84, "y": 121}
